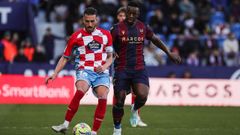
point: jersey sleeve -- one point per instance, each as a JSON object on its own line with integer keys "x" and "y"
{"x": 114, "y": 32}
{"x": 149, "y": 32}
{"x": 109, "y": 46}
{"x": 70, "y": 44}
{"x": 114, "y": 36}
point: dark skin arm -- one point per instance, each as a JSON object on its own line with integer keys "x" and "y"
{"x": 174, "y": 57}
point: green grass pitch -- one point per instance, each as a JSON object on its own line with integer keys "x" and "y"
{"x": 162, "y": 120}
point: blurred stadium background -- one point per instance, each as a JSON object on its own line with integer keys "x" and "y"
{"x": 199, "y": 97}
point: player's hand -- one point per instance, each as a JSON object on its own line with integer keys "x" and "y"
{"x": 115, "y": 55}
{"x": 175, "y": 58}
{"x": 52, "y": 77}
{"x": 100, "y": 69}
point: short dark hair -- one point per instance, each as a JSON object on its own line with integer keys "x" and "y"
{"x": 121, "y": 9}
{"x": 134, "y": 3}
{"x": 90, "y": 11}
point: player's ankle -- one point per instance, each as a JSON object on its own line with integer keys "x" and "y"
{"x": 117, "y": 126}
{"x": 94, "y": 133}
{"x": 66, "y": 123}
{"x": 133, "y": 109}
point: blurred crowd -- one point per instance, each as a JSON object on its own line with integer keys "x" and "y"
{"x": 203, "y": 32}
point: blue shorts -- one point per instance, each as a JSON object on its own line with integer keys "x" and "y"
{"x": 93, "y": 79}
{"x": 124, "y": 80}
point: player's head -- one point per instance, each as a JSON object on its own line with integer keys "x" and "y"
{"x": 48, "y": 31}
{"x": 90, "y": 19}
{"x": 121, "y": 14}
{"x": 133, "y": 11}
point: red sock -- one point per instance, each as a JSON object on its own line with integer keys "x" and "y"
{"x": 99, "y": 114}
{"x": 73, "y": 106}
{"x": 133, "y": 98}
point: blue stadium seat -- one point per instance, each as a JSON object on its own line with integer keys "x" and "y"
{"x": 220, "y": 40}
{"x": 149, "y": 15}
{"x": 217, "y": 18}
{"x": 171, "y": 39}
{"x": 162, "y": 37}
{"x": 106, "y": 25}
{"x": 235, "y": 28}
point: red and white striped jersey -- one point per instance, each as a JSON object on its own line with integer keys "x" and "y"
{"x": 90, "y": 49}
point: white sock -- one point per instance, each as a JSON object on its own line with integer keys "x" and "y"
{"x": 94, "y": 133}
{"x": 66, "y": 123}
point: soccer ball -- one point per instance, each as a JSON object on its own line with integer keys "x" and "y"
{"x": 82, "y": 129}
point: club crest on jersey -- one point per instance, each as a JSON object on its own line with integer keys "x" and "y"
{"x": 123, "y": 32}
{"x": 141, "y": 30}
{"x": 94, "y": 45}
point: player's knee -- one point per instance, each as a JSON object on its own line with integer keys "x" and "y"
{"x": 142, "y": 96}
{"x": 120, "y": 96}
{"x": 102, "y": 95}
{"x": 101, "y": 92}
{"x": 82, "y": 85}
{"x": 120, "y": 102}
{"x": 119, "y": 105}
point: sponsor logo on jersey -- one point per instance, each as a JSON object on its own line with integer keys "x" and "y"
{"x": 94, "y": 45}
{"x": 133, "y": 40}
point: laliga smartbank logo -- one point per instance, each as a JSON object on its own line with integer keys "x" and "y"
{"x": 34, "y": 92}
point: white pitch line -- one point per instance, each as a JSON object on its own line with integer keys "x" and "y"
{"x": 24, "y": 127}
{"x": 176, "y": 128}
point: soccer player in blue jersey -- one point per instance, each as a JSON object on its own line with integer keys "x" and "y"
{"x": 128, "y": 42}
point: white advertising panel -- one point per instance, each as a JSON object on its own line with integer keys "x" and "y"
{"x": 204, "y": 92}
{"x": 182, "y": 92}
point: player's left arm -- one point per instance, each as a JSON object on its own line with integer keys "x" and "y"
{"x": 160, "y": 44}
{"x": 109, "y": 60}
{"x": 109, "y": 51}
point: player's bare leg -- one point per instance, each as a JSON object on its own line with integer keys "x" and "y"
{"x": 82, "y": 88}
{"x": 141, "y": 92}
{"x": 118, "y": 111}
{"x": 140, "y": 122}
{"x": 102, "y": 92}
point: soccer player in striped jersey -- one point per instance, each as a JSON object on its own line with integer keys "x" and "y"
{"x": 92, "y": 49}
{"x": 121, "y": 16}
{"x": 128, "y": 42}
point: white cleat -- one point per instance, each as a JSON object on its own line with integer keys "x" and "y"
{"x": 117, "y": 131}
{"x": 141, "y": 123}
{"x": 60, "y": 129}
{"x": 134, "y": 118}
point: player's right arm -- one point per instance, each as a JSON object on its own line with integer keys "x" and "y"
{"x": 61, "y": 64}
{"x": 64, "y": 59}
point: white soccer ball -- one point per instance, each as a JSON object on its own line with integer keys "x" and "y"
{"x": 82, "y": 129}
